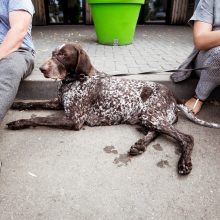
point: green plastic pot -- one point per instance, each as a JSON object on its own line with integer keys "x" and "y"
{"x": 115, "y": 20}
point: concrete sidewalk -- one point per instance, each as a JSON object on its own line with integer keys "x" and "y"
{"x": 155, "y": 47}
{"x": 53, "y": 174}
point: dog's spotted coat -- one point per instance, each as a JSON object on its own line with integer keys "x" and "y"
{"x": 100, "y": 99}
{"x": 110, "y": 101}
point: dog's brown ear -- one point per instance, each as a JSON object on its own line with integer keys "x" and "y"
{"x": 84, "y": 66}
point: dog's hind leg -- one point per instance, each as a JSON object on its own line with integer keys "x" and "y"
{"x": 140, "y": 146}
{"x": 186, "y": 142}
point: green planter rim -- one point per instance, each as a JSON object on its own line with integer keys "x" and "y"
{"x": 116, "y": 1}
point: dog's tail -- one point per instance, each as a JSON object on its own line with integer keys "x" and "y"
{"x": 194, "y": 119}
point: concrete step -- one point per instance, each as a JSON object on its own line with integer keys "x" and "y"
{"x": 38, "y": 88}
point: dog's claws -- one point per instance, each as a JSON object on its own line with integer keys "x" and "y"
{"x": 134, "y": 151}
{"x": 184, "y": 168}
{"x": 16, "y": 125}
{"x": 11, "y": 125}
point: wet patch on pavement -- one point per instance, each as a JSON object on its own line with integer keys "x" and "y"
{"x": 122, "y": 160}
{"x": 110, "y": 149}
{"x": 163, "y": 163}
{"x": 157, "y": 147}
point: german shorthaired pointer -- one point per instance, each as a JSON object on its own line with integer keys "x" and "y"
{"x": 92, "y": 98}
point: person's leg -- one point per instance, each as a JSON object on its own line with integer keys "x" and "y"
{"x": 12, "y": 69}
{"x": 209, "y": 79}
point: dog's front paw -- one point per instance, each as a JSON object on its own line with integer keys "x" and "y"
{"x": 20, "y": 124}
{"x": 184, "y": 166}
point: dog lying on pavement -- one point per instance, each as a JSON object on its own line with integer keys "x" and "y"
{"x": 93, "y": 98}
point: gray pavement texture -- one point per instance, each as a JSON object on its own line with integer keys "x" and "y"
{"x": 154, "y": 47}
{"x": 56, "y": 174}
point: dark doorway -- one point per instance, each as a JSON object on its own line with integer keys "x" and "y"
{"x": 65, "y": 11}
{"x": 154, "y": 11}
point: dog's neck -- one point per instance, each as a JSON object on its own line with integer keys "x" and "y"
{"x": 73, "y": 76}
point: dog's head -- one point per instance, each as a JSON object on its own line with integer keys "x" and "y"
{"x": 68, "y": 60}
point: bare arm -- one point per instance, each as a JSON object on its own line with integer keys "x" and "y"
{"x": 19, "y": 23}
{"x": 203, "y": 36}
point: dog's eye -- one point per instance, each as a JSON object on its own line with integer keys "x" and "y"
{"x": 61, "y": 55}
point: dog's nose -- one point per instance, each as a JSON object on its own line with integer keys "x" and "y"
{"x": 43, "y": 69}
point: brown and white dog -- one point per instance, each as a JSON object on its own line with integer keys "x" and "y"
{"x": 92, "y": 98}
